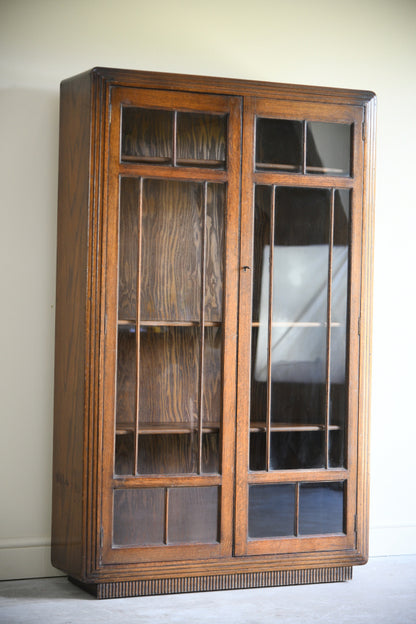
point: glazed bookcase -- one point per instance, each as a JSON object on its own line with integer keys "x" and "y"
{"x": 213, "y": 332}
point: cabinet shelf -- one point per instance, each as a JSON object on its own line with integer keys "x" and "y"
{"x": 296, "y": 324}
{"x": 258, "y": 427}
{"x": 167, "y": 160}
{"x": 165, "y": 428}
{"x": 297, "y": 168}
{"x": 128, "y": 322}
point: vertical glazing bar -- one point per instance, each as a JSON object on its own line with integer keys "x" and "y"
{"x": 270, "y": 327}
{"x": 174, "y": 137}
{"x": 328, "y": 328}
{"x": 296, "y": 523}
{"x": 202, "y": 329}
{"x": 304, "y": 147}
{"x": 165, "y": 527}
{"x": 139, "y": 264}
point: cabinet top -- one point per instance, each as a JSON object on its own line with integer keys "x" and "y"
{"x": 228, "y": 86}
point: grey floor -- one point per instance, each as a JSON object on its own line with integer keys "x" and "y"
{"x": 383, "y": 591}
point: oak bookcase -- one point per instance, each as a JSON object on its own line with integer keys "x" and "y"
{"x": 213, "y": 331}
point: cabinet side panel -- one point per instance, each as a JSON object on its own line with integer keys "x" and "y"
{"x": 70, "y": 331}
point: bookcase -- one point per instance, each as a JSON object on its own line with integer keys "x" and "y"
{"x": 213, "y": 333}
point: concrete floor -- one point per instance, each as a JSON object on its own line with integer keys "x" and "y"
{"x": 382, "y": 592}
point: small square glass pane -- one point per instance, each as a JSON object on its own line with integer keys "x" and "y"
{"x": 279, "y": 144}
{"x": 321, "y": 508}
{"x": 138, "y": 517}
{"x": 146, "y": 135}
{"x": 328, "y": 148}
{"x": 193, "y": 515}
{"x": 271, "y": 511}
{"x": 201, "y": 140}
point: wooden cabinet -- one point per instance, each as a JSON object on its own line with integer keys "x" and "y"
{"x": 212, "y": 333}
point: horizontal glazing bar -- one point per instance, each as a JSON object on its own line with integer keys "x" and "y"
{"x": 155, "y": 171}
{"x": 301, "y": 476}
{"x": 165, "y": 481}
{"x": 298, "y": 179}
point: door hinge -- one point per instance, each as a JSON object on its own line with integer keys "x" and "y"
{"x": 355, "y": 523}
{"x": 359, "y": 325}
{"x": 101, "y": 537}
{"x": 363, "y": 130}
{"x": 105, "y": 324}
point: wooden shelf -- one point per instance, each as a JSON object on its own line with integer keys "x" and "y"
{"x": 298, "y": 168}
{"x": 128, "y": 322}
{"x": 165, "y": 428}
{"x": 163, "y": 160}
{"x": 256, "y": 427}
{"x": 295, "y": 324}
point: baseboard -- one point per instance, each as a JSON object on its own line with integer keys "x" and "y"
{"x": 26, "y": 558}
{"x": 388, "y": 541}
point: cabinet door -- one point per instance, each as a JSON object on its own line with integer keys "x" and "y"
{"x": 171, "y": 283}
{"x": 298, "y": 328}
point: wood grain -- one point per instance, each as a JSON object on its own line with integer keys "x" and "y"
{"x": 128, "y": 248}
{"x": 171, "y": 253}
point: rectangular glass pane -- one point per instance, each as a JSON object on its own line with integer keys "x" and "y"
{"x": 138, "y": 517}
{"x": 271, "y": 511}
{"x": 167, "y": 453}
{"x": 201, "y": 140}
{"x": 128, "y": 248}
{"x": 321, "y": 508}
{"x": 126, "y": 376}
{"x": 328, "y": 148}
{"x": 339, "y": 318}
{"x": 279, "y": 144}
{"x": 124, "y": 453}
{"x": 193, "y": 515}
{"x": 214, "y": 243}
{"x": 171, "y": 250}
{"x": 169, "y": 374}
{"x": 293, "y": 450}
{"x": 212, "y": 399}
{"x": 146, "y": 135}
{"x": 300, "y": 286}
{"x": 258, "y": 402}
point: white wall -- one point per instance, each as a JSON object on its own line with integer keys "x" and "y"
{"x": 368, "y": 44}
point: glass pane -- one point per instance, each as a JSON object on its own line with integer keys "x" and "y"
{"x": 214, "y": 263}
{"x": 128, "y": 248}
{"x": 258, "y": 403}
{"x": 166, "y": 453}
{"x": 212, "y": 399}
{"x": 146, "y": 135}
{"x": 171, "y": 250}
{"x": 257, "y": 450}
{"x": 279, "y": 144}
{"x": 321, "y": 508}
{"x": 124, "y": 455}
{"x": 300, "y": 284}
{"x": 271, "y": 511}
{"x": 169, "y": 398}
{"x": 201, "y": 140}
{"x": 193, "y": 515}
{"x": 328, "y": 148}
{"x": 126, "y": 376}
{"x": 339, "y": 311}
{"x": 138, "y": 517}
{"x": 292, "y": 450}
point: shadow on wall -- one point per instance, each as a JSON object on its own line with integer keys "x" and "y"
{"x": 29, "y": 128}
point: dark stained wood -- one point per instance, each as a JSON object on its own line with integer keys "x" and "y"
{"x": 171, "y": 258}
{"x": 68, "y": 547}
{"x": 154, "y": 240}
{"x": 128, "y": 248}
